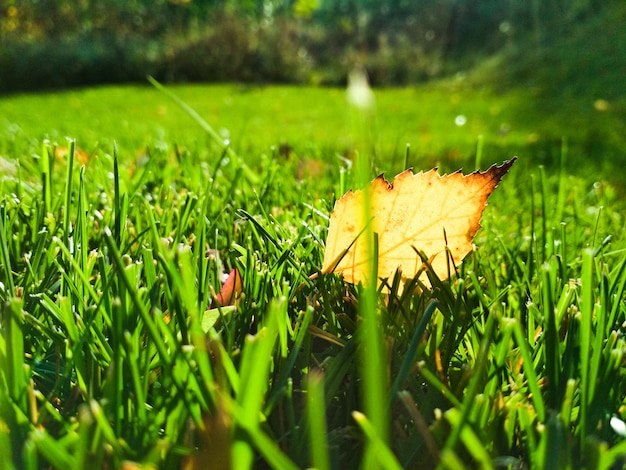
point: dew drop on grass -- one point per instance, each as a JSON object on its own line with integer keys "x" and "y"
{"x": 460, "y": 120}
{"x": 618, "y": 426}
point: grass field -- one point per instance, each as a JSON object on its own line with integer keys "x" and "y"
{"x": 114, "y": 353}
{"x": 317, "y": 123}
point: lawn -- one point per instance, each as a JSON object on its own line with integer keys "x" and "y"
{"x": 116, "y": 353}
{"x": 317, "y": 123}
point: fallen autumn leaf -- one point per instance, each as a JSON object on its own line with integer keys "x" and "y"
{"x": 416, "y": 212}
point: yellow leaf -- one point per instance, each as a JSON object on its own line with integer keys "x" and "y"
{"x": 421, "y": 212}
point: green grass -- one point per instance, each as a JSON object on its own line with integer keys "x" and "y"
{"x": 315, "y": 123}
{"x": 112, "y": 352}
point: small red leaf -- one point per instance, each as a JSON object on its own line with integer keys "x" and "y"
{"x": 231, "y": 289}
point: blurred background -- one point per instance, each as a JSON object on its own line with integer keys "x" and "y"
{"x": 529, "y": 73}
{"x": 60, "y": 43}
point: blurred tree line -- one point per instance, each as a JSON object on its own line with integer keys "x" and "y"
{"x": 56, "y": 43}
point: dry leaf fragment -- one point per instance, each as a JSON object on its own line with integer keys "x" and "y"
{"x": 423, "y": 212}
{"x": 213, "y": 442}
{"x": 62, "y": 153}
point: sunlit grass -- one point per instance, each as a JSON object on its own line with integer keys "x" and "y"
{"x": 108, "y": 272}
{"x": 441, "y": 122}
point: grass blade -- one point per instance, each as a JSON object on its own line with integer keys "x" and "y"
{"x": 317, "y": 421}
{"x": 380, "y": 452}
